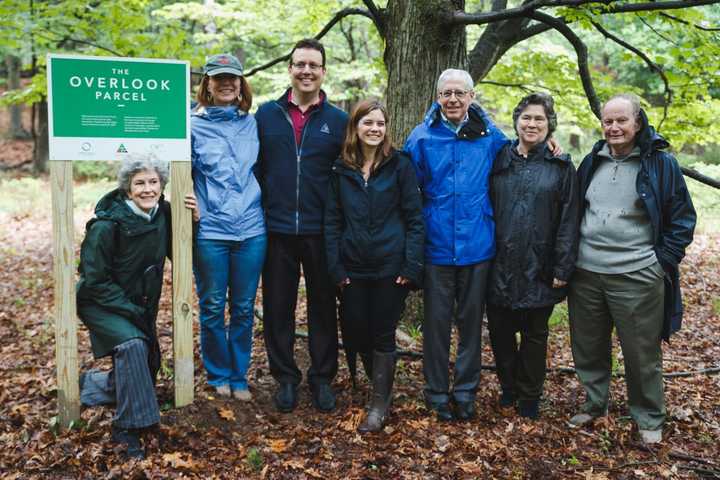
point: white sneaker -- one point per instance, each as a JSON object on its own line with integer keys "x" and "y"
{"x": 651, "y": 436}
{"x": 580, "y": 420}
{"x": 223, "y": 390}
{"x": 242, "y": 395}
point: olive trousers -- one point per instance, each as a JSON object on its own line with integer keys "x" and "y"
{"x": 632, "y": 303}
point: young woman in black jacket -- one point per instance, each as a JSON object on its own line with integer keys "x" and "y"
{"x": 374, "y": 237}
{"x": 535, "y": 203}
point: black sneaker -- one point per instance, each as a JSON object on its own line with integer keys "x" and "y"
{"x": 465, "y": 411}
{"x": 529, "y": 409}
{"x": 507, "y": 399}
{"x": 442, "y": 410}
{"x": 323, "y": 398}
{"x": 286, "y": 398}
{"x": 131, "y": 439}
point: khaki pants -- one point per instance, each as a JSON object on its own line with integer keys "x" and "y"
{"x": 633, "y": 304}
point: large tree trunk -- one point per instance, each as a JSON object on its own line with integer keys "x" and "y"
{"x": 16, "y": 130}
{"x": 41, "y": 151}
{"x": 418, "y": 48}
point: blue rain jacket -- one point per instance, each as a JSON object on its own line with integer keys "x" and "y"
{"x": 224, "y": 150}
{"x": 453, "y": 170}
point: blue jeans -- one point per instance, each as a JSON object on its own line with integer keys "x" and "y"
{"x": 222, "y": 266}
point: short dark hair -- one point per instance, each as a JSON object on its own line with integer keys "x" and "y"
{"x": 310, "y": 44}
{"x": 537, "y": 98}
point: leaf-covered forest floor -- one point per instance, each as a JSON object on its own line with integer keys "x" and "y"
{"x": 215, "y": 438}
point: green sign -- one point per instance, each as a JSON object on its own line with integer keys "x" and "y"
{"x": 102, "y": 108}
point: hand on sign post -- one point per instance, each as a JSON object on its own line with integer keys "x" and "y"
{"x": 191, "y": 203}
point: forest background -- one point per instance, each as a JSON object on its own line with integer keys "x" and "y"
{"x": 668, "y": 52}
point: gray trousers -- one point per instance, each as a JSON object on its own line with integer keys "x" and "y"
{"x": 459, "y": 293}
{"x": 632, "y": 303}
{"x": 128, "y": 385}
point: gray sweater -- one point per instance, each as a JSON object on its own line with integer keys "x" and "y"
{"x": 615, "y": 234}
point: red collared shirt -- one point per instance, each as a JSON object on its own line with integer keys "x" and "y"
{"x": 298, "y": 117}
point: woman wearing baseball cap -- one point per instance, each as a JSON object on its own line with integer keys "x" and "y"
{"x": 230, "y": 240}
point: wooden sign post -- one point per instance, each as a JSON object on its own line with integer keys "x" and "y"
{"x": 107, "y": 108}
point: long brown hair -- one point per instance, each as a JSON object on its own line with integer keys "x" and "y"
{"x": 351, "y": 153}
{"x": 204, "y": 98}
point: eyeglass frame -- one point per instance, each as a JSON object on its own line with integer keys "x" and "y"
{"x": 314, "y": 67}
{"x": 459, "y": 94}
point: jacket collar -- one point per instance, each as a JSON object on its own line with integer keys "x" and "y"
{"x": 284, "y": 99}
{"x": 474, "y": 127}
{"x": 340, "y": 167}
{"x": 112, "y": 207}
{"x": 218, "y": 114}
{"x": 540, "y": 152}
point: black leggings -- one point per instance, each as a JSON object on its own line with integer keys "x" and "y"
{"x": 371, "y": 310}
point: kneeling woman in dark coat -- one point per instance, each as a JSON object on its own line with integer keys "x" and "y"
{"x": 535, "y": 200}
{"x": 374, "y": 237}
{"x": 121, "y": 275}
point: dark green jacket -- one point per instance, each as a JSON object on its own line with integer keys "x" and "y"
{"x": 121, "y": 265}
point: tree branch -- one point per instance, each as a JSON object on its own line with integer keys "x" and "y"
{"x": 68, "y": 38}
{"x": 582, "y": 56}
{"x": 685, "y": 22}
{"x": 459, "y": 17}
{"x": 652, "y": 65}
{"x": 525, "y": 87}
{"x": 654, "y": 30}
{"x": 338, "y": 16}
{"x": 695, "y": 175}
{"x": 376, "y": 16}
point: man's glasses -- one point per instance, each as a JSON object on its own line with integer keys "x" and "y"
{"x": 314, "y": 67}
{"x": 459, "y": 94}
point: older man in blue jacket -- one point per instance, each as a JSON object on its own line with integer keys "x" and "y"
{"x": 453, "y": 151}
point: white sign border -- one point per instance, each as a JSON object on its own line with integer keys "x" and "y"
{"x": 108, "y": 148}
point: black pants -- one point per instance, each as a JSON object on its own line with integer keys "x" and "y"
{"x": 281, "y": 275}
{"x": 453, "y": 292}
{"x": 371, "y": 311}
{"x": 520, "y": 369}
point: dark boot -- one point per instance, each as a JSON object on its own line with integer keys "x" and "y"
{"x": 382, "y": 383}
{"x": 130, "y": 439}
{"x": 529, "y": 408}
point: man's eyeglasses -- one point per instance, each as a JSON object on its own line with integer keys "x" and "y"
{"x": 314, "y": 67}
{"x": 459, "y": 94}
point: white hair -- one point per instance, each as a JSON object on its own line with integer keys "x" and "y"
{"x": 455, "y": 74}
{"x": 137, "y": 163}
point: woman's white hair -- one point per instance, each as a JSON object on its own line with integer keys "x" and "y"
{"x": 455, "y": 74}
{"x": 135, "y": 164}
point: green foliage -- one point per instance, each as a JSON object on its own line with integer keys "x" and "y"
{"x": 26, "y": 195}
{"x": 716, "y": 306}
{"x": 244, "y": 27}
{"x": 255, "y": 459}
{"x": 559, "y": 317}
{"x": 91, "y": 170}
